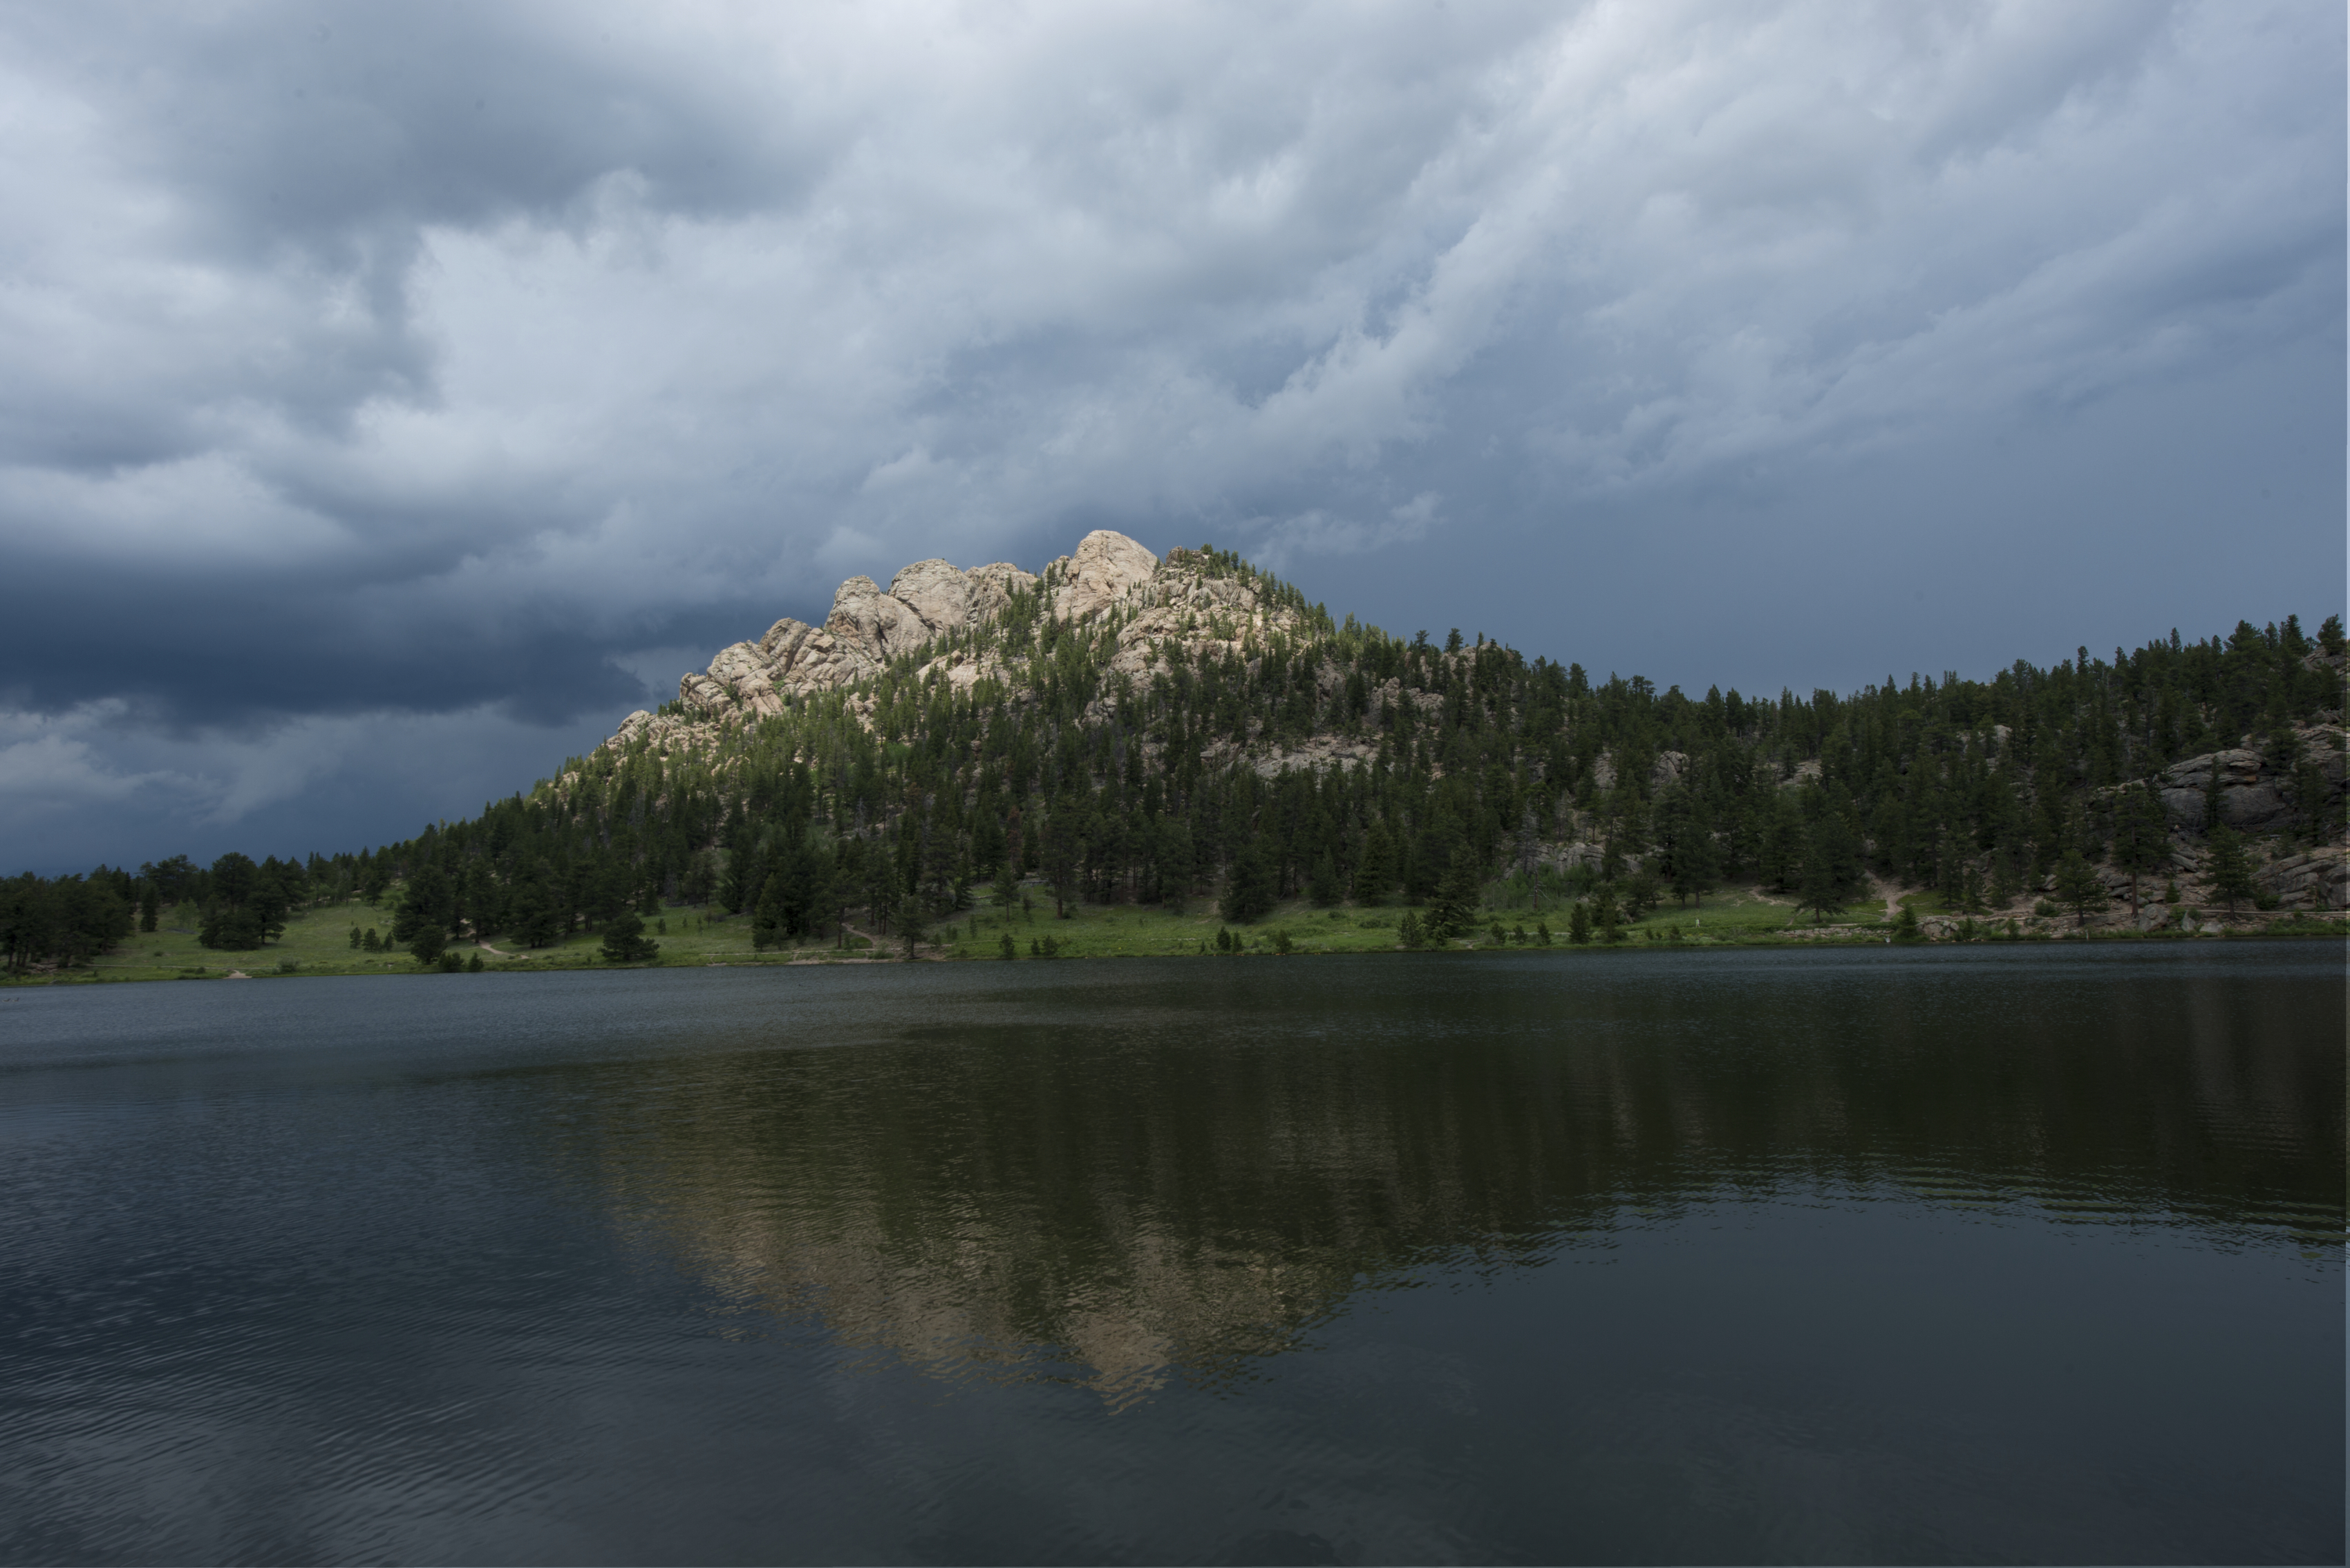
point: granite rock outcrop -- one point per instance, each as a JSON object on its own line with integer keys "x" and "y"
{"x": 2255, "y": 794}
{"x": 1160, "y": 607}
{"x": 2315, "y": 879}
{"x": 867, "y": 629}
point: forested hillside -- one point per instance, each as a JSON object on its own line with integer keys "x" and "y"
{"x": 1133, "y": 731}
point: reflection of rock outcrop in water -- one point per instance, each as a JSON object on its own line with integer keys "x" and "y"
{"x": 1192, "y": 1181}
{"x": 1131, "y": 1209}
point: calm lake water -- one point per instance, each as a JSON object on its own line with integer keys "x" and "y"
{"x": 1840, "y": 1256}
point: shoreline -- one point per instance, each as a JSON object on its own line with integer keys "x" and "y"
{"x": 2302, "y": 925}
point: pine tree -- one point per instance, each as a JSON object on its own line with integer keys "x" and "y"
{"x": 881, "y": 891}
{"x": 430, "y": 941}
{"x": 1643, "y": 891}
{"x": 533, "y": 916}
{"x": 1831, "y": 874}
{"x": 1453, "y": 909}
{"x": 767, "y": 916}
{"x": 741, "y": 883}
{"x": 625, "y": 941}
{"x": 1064, "y": 845}
{"x": 1697, "y": 866}
{"x": 1323, "y": 885}
{"x": 2006, "y": 872}
{"x": 2078, "y": 886}
{"x": 424, "y": 904}
{"x": 1249, "y": 892}
{"x": 2141, "y": 838}
{"x": 1781, "y": 860}
{"x": 1375, "y": 876}
{"x": 2310, "y": 790}
{"x": 1578, "y": 924}
{"x": 2229, "y": 868}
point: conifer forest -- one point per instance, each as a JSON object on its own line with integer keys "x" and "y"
{"x": 1200, "y": 733}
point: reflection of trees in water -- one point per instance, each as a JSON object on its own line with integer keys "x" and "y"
{"x": 1114, "y": 1202}
{"x": 999, "y": 1202}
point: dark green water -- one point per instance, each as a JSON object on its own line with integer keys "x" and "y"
{"x": 1973, "y": 1256}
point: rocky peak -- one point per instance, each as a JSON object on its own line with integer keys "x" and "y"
{"x": 875, "y": 624}
{"x": 938, "y": 592}
{"x": 925, "y": 603}
{"x": 1106, "y": 570}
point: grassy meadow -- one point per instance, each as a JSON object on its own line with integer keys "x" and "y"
{"x": 317, "y": 941}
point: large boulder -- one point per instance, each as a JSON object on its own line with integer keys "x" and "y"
{"x": 993, "y": 585}
{"x": 782, "y": 643}
{"x": 744, "y": 671}
{"x": 803, "y": 657}
{"x": 2324, "y": 743}
{"x": 700, "y": 694}
{"x": 864, "y": 618}
{"x": 1107, "y": 567}
{"x": 2185, "y": 786}
{"x": 2256, "y": 808}
{"x": 825, "y": 662}
{"x": 936, "y": 592}
{"x": 741, "y": 665}
{"x": 2254, "y": 796}
{"x": 2318, "y": 879}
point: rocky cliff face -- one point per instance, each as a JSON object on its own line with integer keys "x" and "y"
{"x": 2254, "y": 794}
{"x": 1159, "y": 605}
{"x": 865, "y": 630}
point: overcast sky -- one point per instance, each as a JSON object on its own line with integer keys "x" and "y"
{"x": 398, "y": 396}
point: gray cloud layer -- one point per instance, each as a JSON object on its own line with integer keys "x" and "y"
{"x": 394, "y": 380}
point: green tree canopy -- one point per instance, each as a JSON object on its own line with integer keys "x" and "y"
{"x": 2229, "y": 868}
{"x": 625, "y": 941}
{"x": 2078, "y": 886}
{"x": 1832, "y": 876}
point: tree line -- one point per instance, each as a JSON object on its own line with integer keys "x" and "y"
{"x": 1434, "y": 771}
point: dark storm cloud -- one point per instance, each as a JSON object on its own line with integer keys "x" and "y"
{"x": 313, "y": 146}
{"x": 241, "y": 654}
{"x": 330, "y": 128}
{"x": 474, "y": 366}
